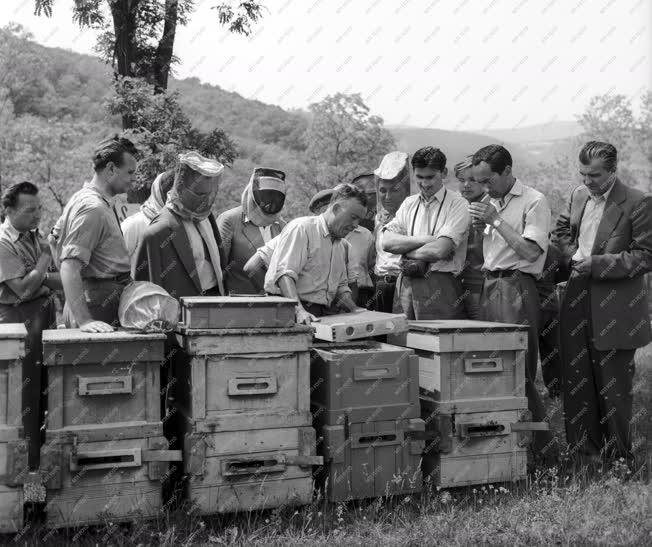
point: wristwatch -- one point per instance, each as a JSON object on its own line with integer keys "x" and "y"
{"x": 497, "y": 222}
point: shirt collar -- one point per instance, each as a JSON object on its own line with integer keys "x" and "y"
{"x": 516, "y": 189}
{"x": 439, "y": 196}
{"x": 597, "y": 199}
{"x": 13, "y": 234}
{"x": 106, "y": 197}
{"x": 323, "y": 227}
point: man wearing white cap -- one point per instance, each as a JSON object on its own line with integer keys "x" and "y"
{"x": 181, "y": 248}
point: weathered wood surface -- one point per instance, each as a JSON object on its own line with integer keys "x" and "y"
{"x": 373, "y": 459}
{"x": 92, "y": 482}
{"x": 250, "y": 391}
{"x": 233, "y": 312}
{"x": 358, "y": 324}
{"x": 236, "y": 341}
{"x": 246, "y": 470}
{"x": 366, "y": 381}
{"x": 11, "y": 509}
{"x": 474, "y": 448}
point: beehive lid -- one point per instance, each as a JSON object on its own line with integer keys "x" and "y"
{"x": 12, "y": 331}
{"x": 357, "y": 325}
{"x": 236, "y": 301}
{"x": 64, "y": 336}
{"x": 294, "y": 329}
{"x": 463, "y": 326}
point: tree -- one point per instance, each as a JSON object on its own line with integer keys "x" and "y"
{"x": 137, "y": 36}
{"x": 344, "y": 140}
{"x": 161, "y": 130}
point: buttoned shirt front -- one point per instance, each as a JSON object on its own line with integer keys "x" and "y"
{"x": 386, "y": 263}
{"x": 90, "y": 232}
{"x": 526, "y": 210}
{"x": 19, "y": 253}
{"x": 265, "y": 231}
{"x": 589, "y": 224}
{"x": 361, "y": 243}
{"x": 315, "y": 260}
{"x": 444, "y": 215}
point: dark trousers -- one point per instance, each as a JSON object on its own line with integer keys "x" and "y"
{"x": 438, "y": 295}
{"x": 384, "y": 295}
{"x": 549, "y": 352}
{"x": 37, "y": 316}
{"x": 597, "y": 385}
{"x": 515, "y": 300}
{"x": 365, "y": 297}
{"x": 102, "y": 296}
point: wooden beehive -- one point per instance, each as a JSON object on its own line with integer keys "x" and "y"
{"x": 13, "y": 451}
{"x": 363, "y": 381}
{"x": 102, "y": 379}
{"x": 358, "y": 324}
{"x": 373, "y": 459}
{"x": 469, "y": 362}
{"x": 237, "y": 312}
{"x": 476, "y": 447}
{"x": 249, "y": 470}
{"x": 240, "y": 379}
{"x": 103, "y": 475}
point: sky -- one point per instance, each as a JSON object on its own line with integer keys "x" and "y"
{"x": 448, "y": 64}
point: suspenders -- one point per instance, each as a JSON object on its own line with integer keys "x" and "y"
{"x": 414, "y": 218}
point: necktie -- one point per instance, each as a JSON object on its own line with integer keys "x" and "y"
{"x": 212, "y": 253}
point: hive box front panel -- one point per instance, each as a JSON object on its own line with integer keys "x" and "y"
{"x": 474, "y": 448}
{"x": 363, "y": 381}
{"x": 369, "y": 460}
{"x": 96, "y": 482}
{"x": 251, "y": 391}
{"x": 248, "y": 470}
{"x": 102, "y": 379}
{"x": 237, "y": 312}
{"x": 13, "y": 451}
{"x": 468, "y": 360}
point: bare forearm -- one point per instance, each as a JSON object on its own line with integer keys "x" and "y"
{"x": 440, "y": 249}
{"x": 27, "y": 286}
{"x": 288, "y": 288}
{"x": 400, "y": 244}
{"x": 526, "y": 249}
{"x": 53, "y": 281}
{"x": 74, "y": 290}
{"x": 345, "y": 301}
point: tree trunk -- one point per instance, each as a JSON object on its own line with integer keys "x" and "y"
{"x": 124, "y": 29}
{"x": 165, "y": 47}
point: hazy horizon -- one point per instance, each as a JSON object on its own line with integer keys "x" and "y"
{"x": 508, "y": 63}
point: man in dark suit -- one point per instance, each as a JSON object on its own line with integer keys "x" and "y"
{"x": 181, "y": 248}
{"x": 255, "y": 222}
{"x": 605, "y": 238}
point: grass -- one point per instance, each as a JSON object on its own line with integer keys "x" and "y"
{"x": 555, "y": 506}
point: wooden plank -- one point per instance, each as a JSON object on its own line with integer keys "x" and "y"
{"x": 358, "y": 324}
{"x": 480, "y": 405}
{"x": 449, "y": 326}
{"x": 224, "y": 343}
{"x": 15, "y": 393}
{"x": 54, "y": 394}
{"x": 90, "y": 433}
{"x": 10, "y": 434}
{"x": 11, "y": 509}
{"x": 76, "y": 336}
{"x": 4, "y": 393}
{"x": 152, "y": 386}
{"x": 199, "y": 387}
{"x": 303, "y": 382}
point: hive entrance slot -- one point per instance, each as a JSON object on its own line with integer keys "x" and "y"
{"x": 370, "y": 439}
{"x": 105, "y": 460}
{"x": 253, "y": 465}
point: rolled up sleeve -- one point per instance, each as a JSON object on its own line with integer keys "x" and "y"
{"x": 398, "y": 224}
{"x": 11, "y": 266}
{"x": 537, "y": 223}
{"x": 456, "y": 227}
{"x": 83, "y": 235}
{"x": 289, "y": 257}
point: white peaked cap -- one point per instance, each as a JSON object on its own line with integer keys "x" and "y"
{"x": 206, "y": 166}
{"x": 392, "y": 165}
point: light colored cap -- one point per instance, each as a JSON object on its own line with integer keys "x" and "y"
{"x": 392, "y": 165}
{"x": 206, "y": 166}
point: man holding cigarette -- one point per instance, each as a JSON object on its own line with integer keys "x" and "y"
{"x": 516, "y": 222}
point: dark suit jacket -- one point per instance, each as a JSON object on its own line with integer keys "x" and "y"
{"x": 621, "y": 255}
{"x": 165, "y": 256}
{"x": 240, "y": 241}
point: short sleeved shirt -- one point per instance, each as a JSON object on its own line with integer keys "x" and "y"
{"x": 90, "y": 232}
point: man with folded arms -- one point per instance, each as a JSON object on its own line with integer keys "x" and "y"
{"x": 430, "y": 230}
{"x": 309, "y": 261}
{"x": 516, "y": 223}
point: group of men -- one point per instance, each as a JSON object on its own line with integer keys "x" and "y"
{"x": 487, "y": 252}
